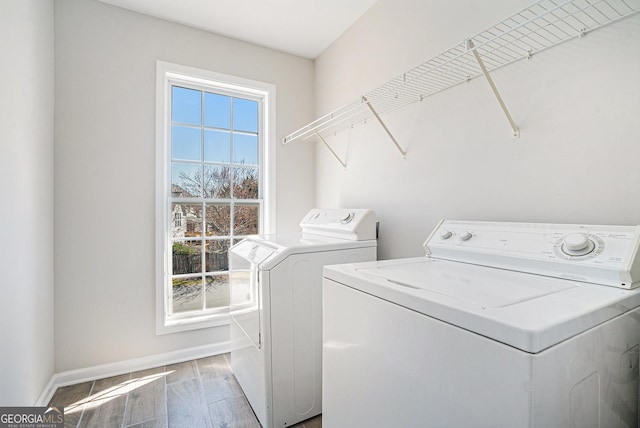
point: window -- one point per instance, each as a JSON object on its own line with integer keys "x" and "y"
{"x": 214, "y": 187}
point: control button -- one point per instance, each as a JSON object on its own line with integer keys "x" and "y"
{"x": 465, "y": 236}
{"x": 347, "y": 219}
{"x": 445, "y": 234}
{"x": 575, "y": 241}
{"x": 577, "y": 244}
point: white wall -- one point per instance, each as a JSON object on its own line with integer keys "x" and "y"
{"x": 104, "y": 165}
{"x": 577, "y": 106}
{"x": 26, "y": 213}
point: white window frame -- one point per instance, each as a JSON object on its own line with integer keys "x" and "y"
{"x": 166, "y": 75}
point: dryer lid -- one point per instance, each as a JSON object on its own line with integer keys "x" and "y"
{"x": 254, "y": 252}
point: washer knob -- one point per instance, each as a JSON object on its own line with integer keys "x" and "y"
{"x": 445, "y": 234}
{"x": 347, "y": 219}
{"x": 575, "y": 242}
{"x": 465, "y": 236}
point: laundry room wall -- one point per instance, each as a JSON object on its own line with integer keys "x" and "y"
{"x": 577, "y": 106}
{"x": 26, "y": 211}
{"x": 105, "y": 67}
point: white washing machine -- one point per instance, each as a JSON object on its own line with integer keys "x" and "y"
{"x": 500, "y": 325}
{"x": 276, "y": 310}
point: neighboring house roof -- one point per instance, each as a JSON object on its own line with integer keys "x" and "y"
{"x": 177, "y": 191}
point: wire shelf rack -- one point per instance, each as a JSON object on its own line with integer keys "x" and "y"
{"x": 544, "y": 24}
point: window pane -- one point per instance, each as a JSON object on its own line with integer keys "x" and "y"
{"x": 217, "y": 146}
{"x": 217, "y": 289}
{"x": 185, "y": 143}
{"x": 216, "y": 256}
{"x": 186, "y": 105}
{"x": 187, "y": 257}
{"x": 245, "y": 115}
{"x": 215, "y": 164}
{"x": 187, "y": 294}
{"x": 217, "y": 110}
{"x": 186, "y": 221}
{"x": 186, "y": 180}
{"x": 218, "y": 220}
{"x": 245, "y": 219}
{"x": 216, "y": 182}
{"x": 245, "y": 185}
{"x": 245, "y": 149}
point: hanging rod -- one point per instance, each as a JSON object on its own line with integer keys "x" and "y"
{"x": 542, "y": 25}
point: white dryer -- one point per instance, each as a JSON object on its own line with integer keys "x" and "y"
{"x": 500, "y": 325}
{"x": 276, "y": 310}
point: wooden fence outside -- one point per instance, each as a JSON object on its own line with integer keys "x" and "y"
{"x": 192, "y": 263}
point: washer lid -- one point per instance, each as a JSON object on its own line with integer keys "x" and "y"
{"x": 526, "y": 311}
{"x": 505, "y": 289}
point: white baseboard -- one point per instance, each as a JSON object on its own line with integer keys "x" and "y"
{"x": 47, "y": 393}
{"x": 72, "y": 377}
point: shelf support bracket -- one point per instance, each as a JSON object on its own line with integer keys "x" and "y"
{"x": 375, "y": 114}
{"x": 344, "y": 165}
{"x": 514, "y": 128}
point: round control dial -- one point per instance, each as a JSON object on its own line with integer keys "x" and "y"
{"x": 347, "y": 219}
{"x": 577, "y": 244}
{"x": 465, "y": 236}
{"x": 445, "y": 234}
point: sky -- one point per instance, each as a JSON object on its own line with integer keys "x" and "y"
{"x": 210, "y": 128}
{"x": 193, "y": 138}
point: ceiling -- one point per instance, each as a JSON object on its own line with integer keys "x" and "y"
{"x": 300, "y": 27}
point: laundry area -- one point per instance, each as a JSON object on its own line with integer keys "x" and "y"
{"x": 373, "y": 213}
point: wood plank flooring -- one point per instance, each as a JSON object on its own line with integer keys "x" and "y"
{"x": 200, "y": 393}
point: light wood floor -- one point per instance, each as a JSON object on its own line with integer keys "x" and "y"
{"x": 195, "y": 394}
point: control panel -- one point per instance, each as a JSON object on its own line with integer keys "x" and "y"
{"x": 353, "y": 224}
{"x": 607, "y": 255}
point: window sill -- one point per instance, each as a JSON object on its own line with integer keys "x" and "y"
{"x": 188, "y": 324}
